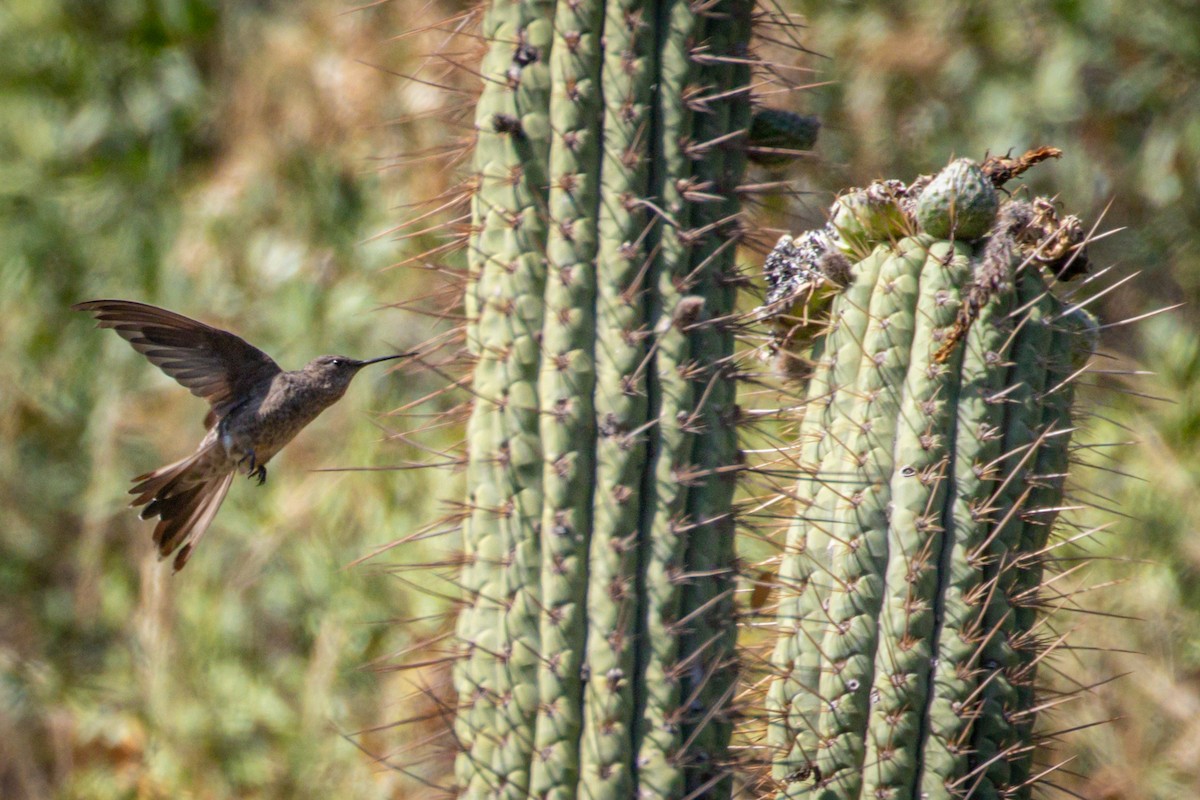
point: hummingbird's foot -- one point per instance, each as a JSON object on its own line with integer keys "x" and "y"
{"x": 255, "y": 470}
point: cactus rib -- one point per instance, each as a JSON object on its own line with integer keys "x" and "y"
{"x": 565, "y": 387}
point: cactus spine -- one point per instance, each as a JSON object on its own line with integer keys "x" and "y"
{"x": 597, "y": 624}
{"x": 935, "y": 445}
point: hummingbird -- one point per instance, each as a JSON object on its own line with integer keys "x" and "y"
{"x": 255, "y": 408}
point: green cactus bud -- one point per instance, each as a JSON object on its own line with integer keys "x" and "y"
{"x": 777, "y": 136}
{"x": 960, "y": 203}
{"x": 862, "y": 218}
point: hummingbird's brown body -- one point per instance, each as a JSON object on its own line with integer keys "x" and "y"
{"x": 274, "y": 413}
{"x": 256, "y": 409}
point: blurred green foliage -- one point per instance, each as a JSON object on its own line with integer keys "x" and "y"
{"x": 220, "y": 158}
{"x": 214, "y": 158}
{"x": 1117, "y": 86}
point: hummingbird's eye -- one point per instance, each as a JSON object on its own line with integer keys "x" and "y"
{"x": 337, "y": 362}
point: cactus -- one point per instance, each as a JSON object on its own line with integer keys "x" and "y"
{"x": 597, "y": 629}
{"x": 935, "y": 443}
{"x": 862, "y": 218}
{"x": 596, "y": 626}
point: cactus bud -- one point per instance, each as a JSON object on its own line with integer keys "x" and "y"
{"x": 960, "y": 203}
{"x": 777, "y": 136}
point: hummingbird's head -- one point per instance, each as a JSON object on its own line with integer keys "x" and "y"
{"x": 334, "y": 373}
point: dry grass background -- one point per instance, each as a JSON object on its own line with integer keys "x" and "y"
{"x": 243, "y": 163}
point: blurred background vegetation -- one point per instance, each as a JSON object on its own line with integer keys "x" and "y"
{"x": 233, "y": 161}
{"x": 239, "y": 162}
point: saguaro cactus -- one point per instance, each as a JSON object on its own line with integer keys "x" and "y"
{"x": 934, "y": 447}
{"x": 597, "y": 625}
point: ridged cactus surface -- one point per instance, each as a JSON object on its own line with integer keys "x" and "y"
{"x": 597, "y": 631}
{"x": 934, "y": 446}
{"x": 597, "y": 626}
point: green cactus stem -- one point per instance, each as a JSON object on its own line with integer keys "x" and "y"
{"x": 934, "y": 450}
{"x": 673, "y": 404}
{"x": 597, "y": 626}
{"x": 565, "y": 389}
{"x": 622, "y": 411}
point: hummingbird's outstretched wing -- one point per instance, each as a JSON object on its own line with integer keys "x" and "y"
{"x": 214, "y": 364}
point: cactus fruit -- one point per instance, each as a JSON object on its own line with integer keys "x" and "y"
{"x": 960, "y": 203}
{"x": 934, "y": 452}
{"x": 861, "y": 218}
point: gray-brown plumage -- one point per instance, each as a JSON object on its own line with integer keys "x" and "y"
{"x": 255, "y": 409}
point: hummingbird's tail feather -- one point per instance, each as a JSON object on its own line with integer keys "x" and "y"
{"x": 185, "y": 497}
{"x": 162, "y": 482}
{"x": 184, "y": 530}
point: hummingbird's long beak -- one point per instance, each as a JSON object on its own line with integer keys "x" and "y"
{"x": 386, "y": 358}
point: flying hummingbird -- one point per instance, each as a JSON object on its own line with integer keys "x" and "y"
{"x": 255, "y": 409}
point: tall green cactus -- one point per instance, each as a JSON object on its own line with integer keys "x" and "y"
{"x": 597, "y": 621}
{"x": 935, "y": 445}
